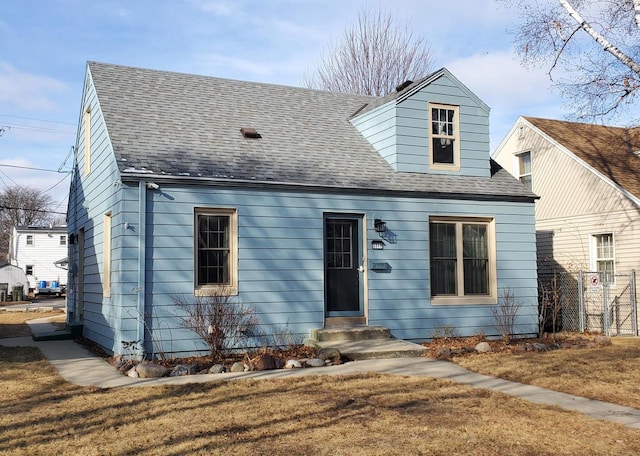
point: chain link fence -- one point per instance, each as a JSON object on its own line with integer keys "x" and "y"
{"x": 585, "y": 301}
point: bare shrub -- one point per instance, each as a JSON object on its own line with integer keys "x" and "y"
{"x": 221, "y": 321}
{"x": 279, "y": 338}
{"x": 505, "y": 313}
{"x": 550, "y": 306}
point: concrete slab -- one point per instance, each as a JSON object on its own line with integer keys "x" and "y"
{"x": 375, "y": 348}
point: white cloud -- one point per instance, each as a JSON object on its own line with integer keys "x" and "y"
{"x": 509, "y": 89}
{"x": 28, "y": 91}
{"x": 500, "y": 80}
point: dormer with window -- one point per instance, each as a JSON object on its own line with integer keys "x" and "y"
{"x": 434, "y": 126}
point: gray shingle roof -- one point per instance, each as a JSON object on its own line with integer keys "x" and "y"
{"x": 172, "y": 124}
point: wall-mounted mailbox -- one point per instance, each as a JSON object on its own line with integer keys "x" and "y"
{"x": 379, "y": 266}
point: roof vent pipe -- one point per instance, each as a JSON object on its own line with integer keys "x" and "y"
{"x": 404, "y": 85}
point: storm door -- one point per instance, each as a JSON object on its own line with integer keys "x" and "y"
{"x": 343, "y": 266}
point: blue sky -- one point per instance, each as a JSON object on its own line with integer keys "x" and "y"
{"x": 46, "y": 44}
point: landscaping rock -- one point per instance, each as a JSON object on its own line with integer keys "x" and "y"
{"x": 536, "y": 346}
{"x": 332, "y": 355}
{"x": 184, "y": 369}
{"x": 264, "y": 362}
{"x": 314, "y": 362}
{"x": 602, "y": 340}
{"x": 217, "y": 369}
{"x": 293, "y": 364}
{"x": 151, "y": 370}
{"x": 126, "y": 367}
{"x": 132, "y": 373}
{"x": 483, "y": 347}
{"x": 308, "y": 342}
{"x": 443, "y": 353}
{"x": 238, "y": 367}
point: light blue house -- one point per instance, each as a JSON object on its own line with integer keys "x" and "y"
{"x": 317, "y": 208}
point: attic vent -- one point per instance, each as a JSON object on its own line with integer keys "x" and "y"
{"x": 249, "y": 132}
{"x": 404, "y": 85}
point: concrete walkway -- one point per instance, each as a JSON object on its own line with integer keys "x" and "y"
{"x": 77, "y": 365}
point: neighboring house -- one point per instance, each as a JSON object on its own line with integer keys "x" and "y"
{"x": 588, "y": 180}
{"x": 316, "y": 208}
{"x": 36, "y": 250}
{"x": 11, "y": 276}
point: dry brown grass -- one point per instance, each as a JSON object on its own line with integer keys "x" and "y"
{"x": 359, "y": 415}
{"x": 610, "y": 373}
{"x": 12, "y": 324}
{"x": 319, "y": 415}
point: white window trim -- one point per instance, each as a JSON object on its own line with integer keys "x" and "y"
{"x": 456, "y": 139}
{"x": 516, "y": 165}
{"x": 232, "y": 287}
{"x": 63, "y": 239}
{"x": 30, "y": 237}
{"x": 593, "y": 253}
{"x": 461, "y": 299}
{"x": 106, "y": 255}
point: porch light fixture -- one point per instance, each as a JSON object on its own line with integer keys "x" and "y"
{"x": 380, "y": 226}
{"x": 377, "y": 245}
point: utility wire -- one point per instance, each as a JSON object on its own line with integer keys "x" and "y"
{"x": 31, "y": 210}
{"x": 37, "y": 120}
{"x": 32, "y": 168}
{"x": 8, "y": 177}
{"x": 46, "y": 130}
{"x": 55, "y": 185}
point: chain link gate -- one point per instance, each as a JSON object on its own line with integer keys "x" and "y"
{"x": 584, "y": 301}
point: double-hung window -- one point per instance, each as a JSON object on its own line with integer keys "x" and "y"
{"x": 29, "y": 239}
{"x": 216, "y": 251}
{"x": 604, "y": 256}
{"x": 462, "y": 260}
{"x": 523, "y": 169}
{"x": 444, "y": 132}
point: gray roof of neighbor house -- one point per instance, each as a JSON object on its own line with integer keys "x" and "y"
{"x": 165, "y": 124}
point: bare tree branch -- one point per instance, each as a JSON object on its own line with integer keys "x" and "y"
{"x": 372, "y": 57}
{"x": 22, "y": 206}
{"x": 601, "y": 40}
{"x": 568, "y": 36}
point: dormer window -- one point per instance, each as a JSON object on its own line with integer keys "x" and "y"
{"x": 445, "y": 137}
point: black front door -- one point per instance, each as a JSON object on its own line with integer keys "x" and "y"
{"x": 342, "y": 267}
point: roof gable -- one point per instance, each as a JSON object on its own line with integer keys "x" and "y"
{"x": 411, "y": 89}
{"x": 611, "y": 151}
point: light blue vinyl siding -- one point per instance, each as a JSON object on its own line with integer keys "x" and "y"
{"x": 90, "y": 197}
{"x": 399, "y": 131}
{"x": 281, "y": 269}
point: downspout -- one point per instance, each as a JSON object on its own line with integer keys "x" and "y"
{"x": 142, "y": 265}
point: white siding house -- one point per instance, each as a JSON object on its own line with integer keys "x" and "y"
{"x": 36, "y": 250}
{"x": 588, "y": 215}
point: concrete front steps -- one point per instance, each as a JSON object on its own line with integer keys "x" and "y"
{"x": 365, "y": 342}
